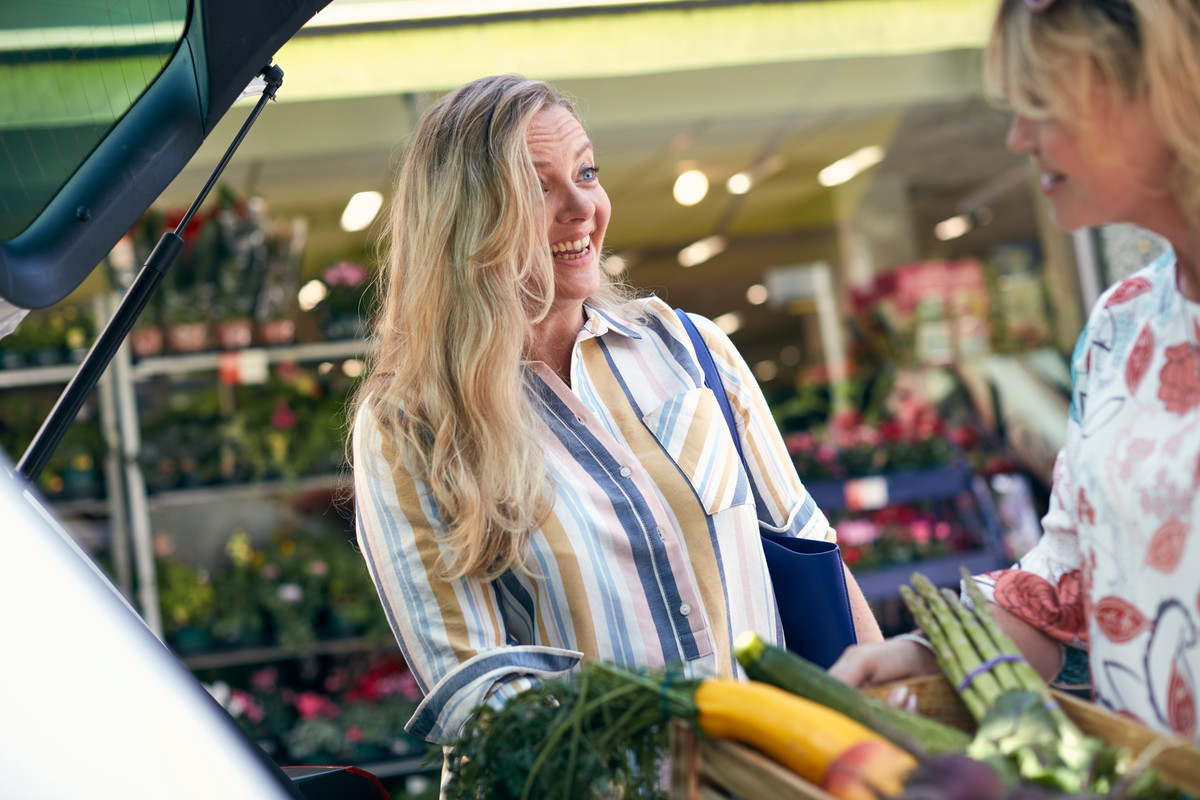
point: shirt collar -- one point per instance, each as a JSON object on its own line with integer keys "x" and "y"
{"x": 597, "y": 323}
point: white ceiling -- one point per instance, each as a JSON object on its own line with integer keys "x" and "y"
{"x": 944, "y": 143}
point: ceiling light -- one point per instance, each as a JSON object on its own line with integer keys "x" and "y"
{"x": 353, "y": 367}
{"x": 615, "y": 265}
{"x": 729, "y": 323}
{"x": 739, "y": 183}
{"x": 846, "y": 168}
{"x": 690, "y": 187}
{"x": 311, "y": 294}
{"x": 952, "y": 228}
{"x": 701, "y": 251}
{"x": 361, "y": 210}
{"x": 766, "y": 371}
{"x": 757, "y": 294}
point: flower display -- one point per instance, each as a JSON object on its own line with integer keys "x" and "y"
{"x": 305, "y": 584}
{"x": 898, "y": 535}
{"x": 345, "y": 300}
{"x": 353, "y": 712}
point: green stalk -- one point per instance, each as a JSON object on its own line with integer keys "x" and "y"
{"x": 1003, "y": 671}
{"x": 577, "y": 713}
{"x": 1026, "y": 675}
{"x": 946, "y": 657}
{"x": 968, "y": 656}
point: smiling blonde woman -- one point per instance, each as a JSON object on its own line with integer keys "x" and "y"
{"x": 540, "y": 473}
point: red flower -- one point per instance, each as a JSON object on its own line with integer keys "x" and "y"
{"x": 1139, "y": 359}
{"x": 1056, "y": 610}
{"x": 1179, "y": 384}
{"x": 313, "y": 704}
{"x": 1128, "y": 290}
{"x": 283, "y": 418}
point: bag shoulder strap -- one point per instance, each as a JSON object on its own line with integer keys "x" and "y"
{"x": 712, "y": 378}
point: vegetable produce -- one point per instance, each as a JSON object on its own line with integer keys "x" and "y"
{"x": 771, "y": 664}
{"x": 1022, "y": 730}
{"x": 604, "y": 735}
{"x": 829, "y": 749}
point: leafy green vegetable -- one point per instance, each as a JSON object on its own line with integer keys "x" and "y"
{"x": 605, "y": 734}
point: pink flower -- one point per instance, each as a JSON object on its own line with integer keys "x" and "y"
{"x": 354, "y": 734}
{"x": 921, "y": 531}
{"x": 799, "y": 443}
{"x": 313, "y": 704}
{"x": 856, "y": 532}
{"x": 345, "y": 273}
{"x": 318, "y": 568}
{"x": 264, "y": 680}
{"x": 335, "y": 681}
{"x": 283, "y": 418}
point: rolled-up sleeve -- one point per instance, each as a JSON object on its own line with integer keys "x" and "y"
{"x": 452, "y": 633}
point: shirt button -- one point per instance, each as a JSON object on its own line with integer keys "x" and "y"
{"x": 579, "y": 419}
{"x": 626, "y": 472}
{"x": 685, "y": 609}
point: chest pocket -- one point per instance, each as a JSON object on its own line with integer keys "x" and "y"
{"x": 691, "y": 429}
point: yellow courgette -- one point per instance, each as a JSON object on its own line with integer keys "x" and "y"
{"x": 826, "y": 748}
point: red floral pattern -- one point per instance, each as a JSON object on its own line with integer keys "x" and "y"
{"x": 1166, "y": 546}
{"x": 1119, "y": 620}
{"x": 1085, "y": 508}
{"x": 1139, "y": 359}
{"x": 1129, "y": 289}
{"x": 1179, "y": 383}
{"x": 1057, "y": 610}
{"x": 1181, "y": 704}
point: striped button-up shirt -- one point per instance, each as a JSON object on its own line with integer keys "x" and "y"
{"x": 650, "y": 555}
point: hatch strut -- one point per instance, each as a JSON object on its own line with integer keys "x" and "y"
{"x": 155, "y": 269}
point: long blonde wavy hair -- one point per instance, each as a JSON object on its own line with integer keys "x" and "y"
{"x": 1040, "y": 63}
{"x": 467, "y": 274}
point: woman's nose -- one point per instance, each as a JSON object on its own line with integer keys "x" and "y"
{"x": 1020, "y": 135}
{"x": 575, "y": 204}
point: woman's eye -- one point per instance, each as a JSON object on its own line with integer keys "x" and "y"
{"x": 590, "y": 173}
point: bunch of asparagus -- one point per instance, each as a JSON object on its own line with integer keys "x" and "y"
{"x": 1021, "y": 728}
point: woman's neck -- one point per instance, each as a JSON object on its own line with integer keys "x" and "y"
{"x": 554, "y": 340}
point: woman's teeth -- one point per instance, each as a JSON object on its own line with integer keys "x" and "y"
{"x": 571, "y": 250}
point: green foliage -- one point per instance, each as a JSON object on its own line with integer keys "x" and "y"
{"x": 605, "y": 734}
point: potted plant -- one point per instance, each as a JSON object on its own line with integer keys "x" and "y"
{"x": 186, "y": 598}
{"x": 344, "y": 304}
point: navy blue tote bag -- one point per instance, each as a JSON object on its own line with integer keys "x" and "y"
{"x": 806, "y": 574}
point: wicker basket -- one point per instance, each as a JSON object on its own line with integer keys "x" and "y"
{"x": 705, "y": 769}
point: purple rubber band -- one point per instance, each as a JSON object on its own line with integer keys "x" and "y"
{"x": 970, "y": 677}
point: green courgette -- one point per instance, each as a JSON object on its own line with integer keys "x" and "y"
{"x": 782, "y": 668}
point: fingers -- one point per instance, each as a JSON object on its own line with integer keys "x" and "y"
{"x": 902, "y": 697}
{"x": 856, "y": 665}
{"x": 882, "y": 662}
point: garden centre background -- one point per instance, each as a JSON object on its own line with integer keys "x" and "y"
{"x": 859, "y": 229}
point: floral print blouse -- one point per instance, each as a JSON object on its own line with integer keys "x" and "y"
{"x": 1117, "y": 571}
